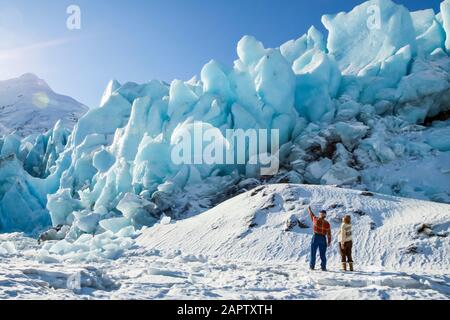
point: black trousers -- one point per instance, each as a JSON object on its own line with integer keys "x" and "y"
{"x": 346, "y": 252}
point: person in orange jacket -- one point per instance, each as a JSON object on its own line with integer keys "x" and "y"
{"x": 321, "y": 239}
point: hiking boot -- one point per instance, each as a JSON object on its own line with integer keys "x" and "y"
{"x": 344, "y": 266}
{"x": 324, "y": 269}
{"x": 351, "y": 266}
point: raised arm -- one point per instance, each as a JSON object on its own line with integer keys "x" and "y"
{"x": 311, "y": 214}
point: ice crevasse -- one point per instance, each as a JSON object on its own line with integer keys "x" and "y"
{"x": 382, "y": 69}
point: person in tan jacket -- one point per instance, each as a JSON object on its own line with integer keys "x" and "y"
{"x": 346, "y": 243}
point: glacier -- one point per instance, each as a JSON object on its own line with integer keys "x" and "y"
{"x": 364, "y": 102}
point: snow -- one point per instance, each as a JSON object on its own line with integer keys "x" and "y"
{"x": 29, "y": 106}
{"x": 160, "y": 277}
{"x": 365, "y": 109}
{"x": 251, "y": 227}
{"x": 242, "y": 250}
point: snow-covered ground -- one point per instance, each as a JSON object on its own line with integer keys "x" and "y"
{"x": 245, "y": 249}
{"x": 176, "y": 276}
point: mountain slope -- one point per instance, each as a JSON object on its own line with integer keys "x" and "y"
{"x": 28, "y": 105}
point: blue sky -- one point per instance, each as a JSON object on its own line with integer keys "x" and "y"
{"x": 140, "y": 40}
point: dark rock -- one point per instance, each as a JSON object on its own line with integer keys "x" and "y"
{"x": 256, "y": 191}
{"x": 443, "y": 116}
{"x": 54, "y": 233}
{"x": 270, "y": 202}
{"x": 412, "y": 249}
{"x": 360, "y": 213}
{"x": 293, "y": 221}
{"x": 367, "y": 194}
{"x": 426, "y": 229}
{"x": 249, "y": 184}
{"x": 153, "y": 210}
{"x": 268, "y": 205}
{"x": 302, "y": 225}
{"x": 289, "y": 177}
{"x": 335, "y": 206}
{"x": 162, "y": 200}
{"x": 303, "y": 201}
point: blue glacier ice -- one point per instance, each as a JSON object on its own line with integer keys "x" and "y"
{"x": 345, "y": 108}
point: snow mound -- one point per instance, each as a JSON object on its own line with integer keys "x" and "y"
{"x": 271, "y": 223}
{"x": 29, "y": 106}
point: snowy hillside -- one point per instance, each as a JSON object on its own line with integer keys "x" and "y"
{"x": 251, "y": 247}
{"x": 28, "y": 106}
{"x": 263, "y": 225}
